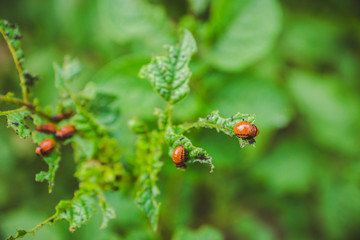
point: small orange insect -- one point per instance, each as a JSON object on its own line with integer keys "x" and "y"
{"x": 46, "y": 147}
{"x": 65, "y": 132}
{"x": 179, "y": 157}
{"x": 46, "y": 128}
{"x": 246, "y": 130}
{"x": 61, "y": 116}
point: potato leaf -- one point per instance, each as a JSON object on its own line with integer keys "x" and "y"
{"x": 226, "y": 125}
{"x": 107, "y": 211}
{"x": 169, "y": 75}
{"x": 12, "y": 36}
{"x": 17, "y": 122}
{"x": 192, "y": 154}
{"x": 76, "y": 212}
{"x": 52, "y": 160}
{"x": 149, "y": 165}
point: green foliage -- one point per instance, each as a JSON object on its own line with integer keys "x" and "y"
{"x": 12, "y": 35}
{"x": 77, "y": 211}
{"x": 107, "y": 212}
{"x": 17, "y": 122}
{"x": 169, "y": 75}
{"x": 52, "y": 160}
{"x": 203, "y": 233}
{"x": 149, "y": 165}
{"x": 142, "y": 20}
{"x": 226, "y": 125}
{"x": 300, "y": 182}
{"x": 192, "y": 154}
{"x": 246, "y": 29}
{"x": 19, "y": 233}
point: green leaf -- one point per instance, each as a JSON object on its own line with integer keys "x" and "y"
{"x": 246, "y": 31}
{"x": 198, "y": 6}
{"x": 107, "y": 211}
{"x": 174, "y": 138}
{"x": 169, "y": 75}
{"x": 287, "y": 169}
{"x": 137, "y": 126}
{"x": 249, "y": 227}
{"x": 17, "y": 122}
{"x": 70, "y": 69}
{"x": 84, "y": 148}
{"x": 149, "y": 165}
{"x": 103, "y": 106}
{"x": 250, "y": 94}
{"x": 53, "y": 161}
{"x": 76, "y": 212}
{"x": 19, "y": 234}
{"x": 225, "y": 125}
{"x": 330, "y": 110}
{"x": 203, "y": 233}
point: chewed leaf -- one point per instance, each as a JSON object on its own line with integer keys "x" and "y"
{"x": 225, "y": 125}
{"x": 17, "y": 122}
{"x": 12, "y": 35}
{"x": 77, "y": 212}
{"x": 147, "y": 203}
{"x": 19, "y": 233}
{"x": 192, "y": 154}
{"x": 52, "y": 160}
{"x": 107, "y": 211}
{"x": 169, "y": 75}
{"x": 148, "y": 160}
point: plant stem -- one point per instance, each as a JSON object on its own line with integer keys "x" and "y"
{"x": 52, "y": 218}
{"x": 25, "y": 104}
{"x": 18, "y": 67}
{"x": 169, "y": 114}
{"x": 4, "y": 113}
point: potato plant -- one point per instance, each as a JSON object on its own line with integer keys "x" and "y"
{"x": 96, "y": 154}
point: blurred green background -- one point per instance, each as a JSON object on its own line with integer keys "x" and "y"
{"x": 295, "y": 64}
